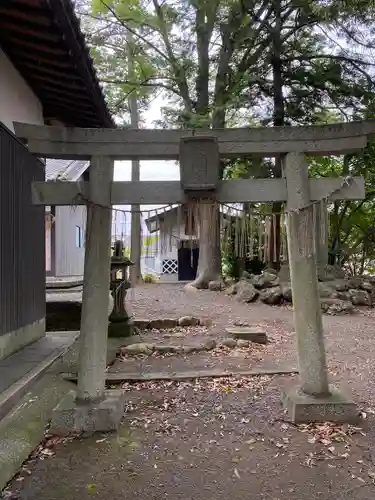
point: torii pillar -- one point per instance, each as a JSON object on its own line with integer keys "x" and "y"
{"x": 92, "y": 408}
{"x": 313, "y": 400}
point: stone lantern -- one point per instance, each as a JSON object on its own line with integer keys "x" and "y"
{"x": 120, "y": 323}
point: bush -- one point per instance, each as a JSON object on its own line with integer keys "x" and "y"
{"x": 149, "y": 278}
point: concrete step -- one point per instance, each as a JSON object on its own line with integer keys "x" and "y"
{"x": 19, "y": 372}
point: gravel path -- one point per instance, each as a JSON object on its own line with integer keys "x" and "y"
{"x": 223, "y": 438}
{"x": 349, "y": 339}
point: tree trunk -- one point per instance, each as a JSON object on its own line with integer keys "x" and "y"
{"x": 274, "y": 239}
{"x": 209, "y": 264}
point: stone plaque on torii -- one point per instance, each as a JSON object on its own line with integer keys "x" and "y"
{"x": 198, "y": 151}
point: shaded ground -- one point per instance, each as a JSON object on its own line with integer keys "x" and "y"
{"x": 213, "y": 440}
{"x": 224, "y": 438}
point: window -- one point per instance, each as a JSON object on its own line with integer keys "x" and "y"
{"x": 79, "y": 237}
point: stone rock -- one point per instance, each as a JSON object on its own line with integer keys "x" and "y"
{"x": 188, "y": 349}
{"x": 336, "y": 306}
{"x": 367, "y": 286}
{"x": 344, "y": 296}
{"x": 252, "y": 334}
{"x": 265, "y": 280}
{"x": 232, "y": 289}
{"x": 164, "y": 349}
{"x": 162, "y": 323}
{"x": 270, "y": 270}
{"x": 330, "y": 273}
{"x": 286, "y": 291}
{"x": 188, "y": 321}
{"x": 360, "y": 298}
{"x": 355, "y": 282}
{"x": 229, "y": 342}
{"x": 139, "y": 348}
{"x": 209, "y": 345}
{"x": 215, "y": 286}
{"x": 246, "y": 276}
{"x": 271, "y": 296}
{"x": 326, "y": 291}
{"x": 205, "y": 322}
{"x": 142, "y": 324}
{"x": 339, "y": 285}
{"x": 243, "y": 343}
{"x": 239, "y": 322}
{"x": 246, "y": 292}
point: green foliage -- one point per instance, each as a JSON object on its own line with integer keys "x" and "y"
{"x": 149, "y": 278}
{"x": 232, "y": 63}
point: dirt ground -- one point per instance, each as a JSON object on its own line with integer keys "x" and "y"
{"x": 222, "y": 438}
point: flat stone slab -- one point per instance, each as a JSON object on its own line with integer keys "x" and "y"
{"x": 304, "y": 408}
{"x": 70, "y": 417}
{"x": 118, "y": 377}
{"x": 21, "y": 370}
{"x": 148, "y": 348}
{"x": 54, "y": 282}
{"x": 252, "y": 334}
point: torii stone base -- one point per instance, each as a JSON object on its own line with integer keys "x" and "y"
{"x": 335, "y": 407}
{"x": 72, "y": 417}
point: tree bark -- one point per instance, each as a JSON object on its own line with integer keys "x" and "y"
{"x": 209, "y": 264}
{"x": 274, "y": 239}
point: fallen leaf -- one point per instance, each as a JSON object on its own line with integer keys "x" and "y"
{"x": 250, "y": 441}
{"x": 91, "y": 488}
{"x": 326, "y": 442}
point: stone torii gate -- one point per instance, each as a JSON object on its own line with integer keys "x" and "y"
{"x": 199, "y": 151}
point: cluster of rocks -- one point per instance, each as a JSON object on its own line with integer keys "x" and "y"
{"x": 166, "y": 323}
{"x": 148, "y": 348}
{"x": 338, "y": 294}
{"x": 241, "y": 337}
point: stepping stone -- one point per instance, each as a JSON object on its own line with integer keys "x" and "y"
{"x": 252, "y": 334}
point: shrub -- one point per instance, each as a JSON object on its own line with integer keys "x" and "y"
{"x": 149, "y": 278}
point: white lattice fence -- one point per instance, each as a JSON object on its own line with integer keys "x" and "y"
{"x": 170, "y": 266}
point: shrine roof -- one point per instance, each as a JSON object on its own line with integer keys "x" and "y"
{"x": 65, "y": 170}
{"x": 43, "y": 40}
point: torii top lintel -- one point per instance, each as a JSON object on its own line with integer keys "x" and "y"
{"x": 127, "y": 143}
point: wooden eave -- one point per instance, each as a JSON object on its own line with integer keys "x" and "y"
{"x": 43, "y": 40}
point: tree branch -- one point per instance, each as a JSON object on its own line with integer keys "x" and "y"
{"x": 354, "y": 62}
{"x": 178, "y": 71}
{"x": 145, "y": 83}
{"x": 134, "y": 32}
